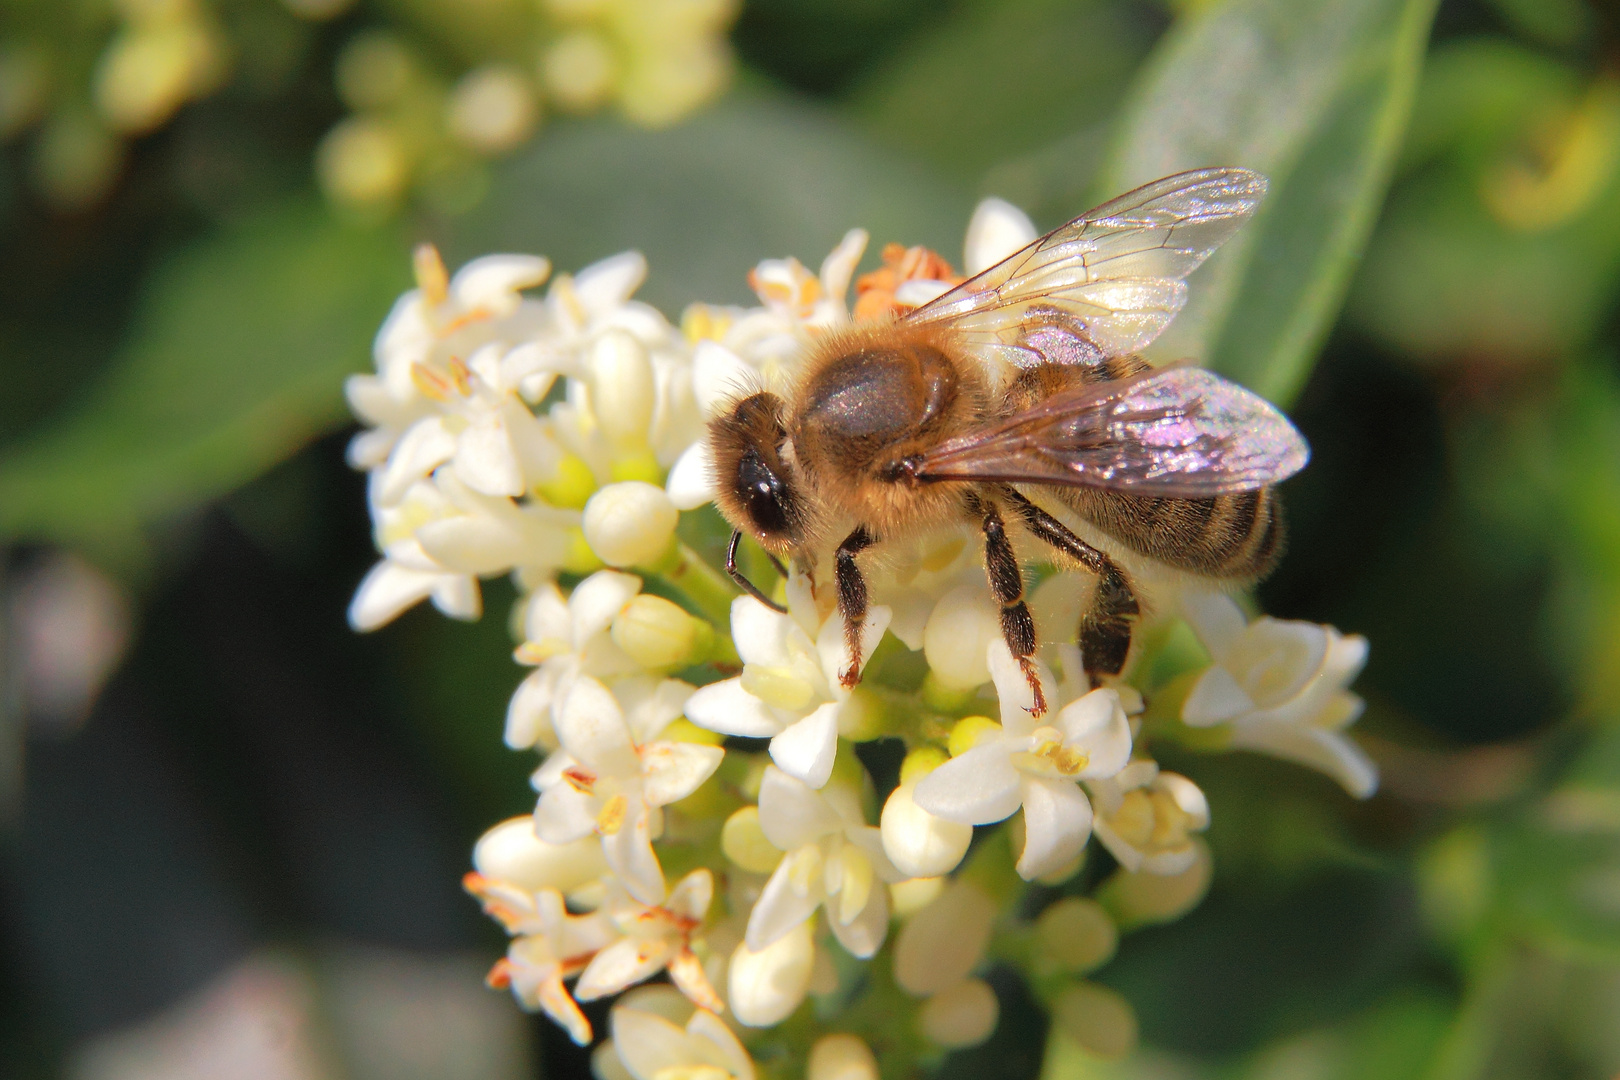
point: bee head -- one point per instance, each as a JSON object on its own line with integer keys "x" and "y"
{"x": 755, "y": 482}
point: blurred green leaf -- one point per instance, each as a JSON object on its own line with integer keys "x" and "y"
{"x": 753, "y": 178}
{"x": 236, "y": 359}
{"x": 1478, "y": 93}
{"x": 1316, "y": 96}
{"x": 1002, "y": 80}
{"x": 1558, "y": 866}
{"x": 1507, "y": 248}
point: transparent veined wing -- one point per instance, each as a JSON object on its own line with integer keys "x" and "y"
{"x": 1114, "y": 273}
{"x": 1180, "y": 433}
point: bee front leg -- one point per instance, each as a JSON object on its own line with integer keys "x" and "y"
{"x": 852, "y": 599}
{"x": 1007, "y": 585}
{"x": 1105, "y": 630}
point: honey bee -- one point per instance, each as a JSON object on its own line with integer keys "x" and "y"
{"x": 1021, "y": 381}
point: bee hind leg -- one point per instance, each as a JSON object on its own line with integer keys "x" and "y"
{"x": 1007, "y": 585}
{"x": 852, "y": 599}
{"x": 1105, "y": 629}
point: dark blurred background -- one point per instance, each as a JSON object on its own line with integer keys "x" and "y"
{"x": 233, "y": 830}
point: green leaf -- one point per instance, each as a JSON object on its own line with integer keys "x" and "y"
{"x": 237, "y": 358}
{"x": 1315, "y": 96}
{"x": 1558, "y": 866}
{"x": 1003, "y": 80}
{"x": 756, "y": 177}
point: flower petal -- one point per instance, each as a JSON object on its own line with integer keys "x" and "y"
{"x": 630, "y": 854}
{"x": 1216, "y": 619}
{"x": 563, "y": 815}
{"x": 718, "y": 1046}
{"x": 1012, "y": 688}
{"x": 673, "y": 770}
{"x": 647, "y": 1043}
{"x": 1096, "y": 724}
{"x": 792, "y": 813}
{"x": 691, "y": 479}
{"x": 780, "y": 908}
{"x": 1215, "y": 697}
{"x": 486, "y": 460}
{"x": 1057, "y": 823}
{"x": 766, "y": 985}
{"x": 975, "y": 788}
{"x": 692, "y": 895}
{"x": 806, "y": 748}
{"x": 597, "y": 601}
{"x": 622, "y": 964}
{"x": 388, "y": 589}
{"x": 729, "y": 709}
{"x": 863, "y": 936}
{"x": 528, "y": 716}
{"x": 997, "y": 230}
{"x": 1330, "y": 752}
{"x": 590, "y": 725}
{"x": 760, "y": 633}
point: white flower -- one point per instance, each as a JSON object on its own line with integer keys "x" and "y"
{"x": 789, "y": 690}
{"x": 841, "y": 1057}
{"x": 997, "y": 229}
{"x": 653, "y": 1048}
{"x": 432, "y": 329}
{"x": 1035, "y": 765}
{"x": 630, "y": 524}
{"x": 1280, "y": 685}
{"x": 569, "y": 638}
{"x": 441, "y": 536}
{"x": 655, "y": 938}
{"x": 834, "y": 859}
{"x": 765, "y": 985}
{"x": 611, "y": 779}
{"x": 549, "y": 946}
{"x": 940, "y": 946}
{"x": 511, "y": 852}
{"x": 920, "y": 844}
{"x": 1143, "y": 817}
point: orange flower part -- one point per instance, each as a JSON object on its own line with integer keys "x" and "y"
{"x": 874, "y": 292}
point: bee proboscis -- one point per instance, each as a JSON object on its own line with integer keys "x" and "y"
{"x": 1022, "y": 382}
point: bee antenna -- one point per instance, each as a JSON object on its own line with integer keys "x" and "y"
{"x": 742, "y": 579}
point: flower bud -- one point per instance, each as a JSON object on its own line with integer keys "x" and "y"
{"x": 656, "y": 633}
{"x": 511, "y": 852}
{"x": 492, "y": 109}
{"x": 1097, "y": 1018}
{"x": 1077, "y": 934}
{"x": 1134, "y": 899}
{"x": 920, "y": 762}
{"x": 578, "y": 70}
{"x": 623, "y": 390}
{"x": 961, "y": 1015}
{"x": 744, "y": 843}
{"x": 630, "y": 524}
{"x": 918, "y": 843}
{"x": 841, "y": 1057}
{"x": 944, "y": 941}
{"x": 961, "y": 628}
{"x": 764, "y": 987}
{"x": 908, "y": 897}
{"x": 967, "y": 732}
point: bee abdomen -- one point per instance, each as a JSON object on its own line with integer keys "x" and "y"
{"x": 1227, "y": 536}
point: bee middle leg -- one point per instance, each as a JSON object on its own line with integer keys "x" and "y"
{"x": 1105, "y": 630}
{"x": 1007, "y": 585}
{"x": 852, "y": 599}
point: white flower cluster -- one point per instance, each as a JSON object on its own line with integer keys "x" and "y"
{"x": 559, "y": 440}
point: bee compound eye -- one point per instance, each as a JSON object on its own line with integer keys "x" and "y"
{"x": 764, "y": 495}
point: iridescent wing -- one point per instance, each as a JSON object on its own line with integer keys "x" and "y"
{"x": 1113, "y": 276}
{"x": 1183, "y": 433}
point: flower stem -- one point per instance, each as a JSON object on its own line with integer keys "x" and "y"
{"x": 707, "y": 588}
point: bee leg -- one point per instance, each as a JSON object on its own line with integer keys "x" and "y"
{"x": 1007, "y": 585}
{"x": 1105, "y": 630}
{"x": 852, "y": 599}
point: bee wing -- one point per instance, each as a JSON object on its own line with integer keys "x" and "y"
{"x": 1116, "y": 271}
{"x": 1181, "y": 433}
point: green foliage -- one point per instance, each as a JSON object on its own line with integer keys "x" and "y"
{"x": 1316, "y": 97}
{"x": 235, "y": 359}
